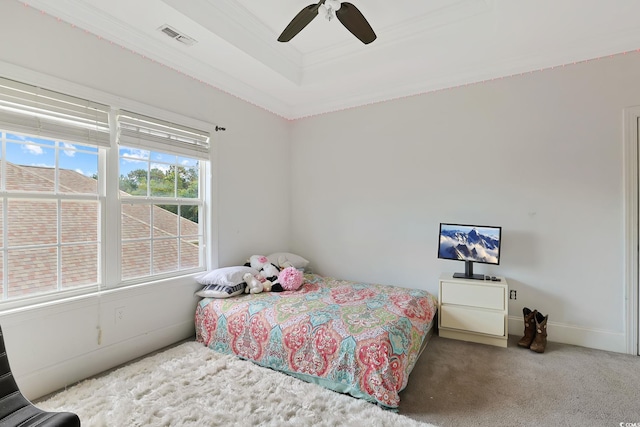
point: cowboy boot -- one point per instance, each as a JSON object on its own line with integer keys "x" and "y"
{"x": 529, "y": 328}
{"x": 540, "y": 341}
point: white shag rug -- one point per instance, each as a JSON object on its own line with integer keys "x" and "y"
{"x": 191, "y": 385}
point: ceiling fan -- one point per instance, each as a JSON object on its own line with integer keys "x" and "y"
{"x": 347, "y": 14}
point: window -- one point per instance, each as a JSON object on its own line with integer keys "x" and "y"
{"x": 50, "y": 215}
{"x": 160, "y": 195}
{"x": 55, "y": 187}
{"x": 160, "y": 211}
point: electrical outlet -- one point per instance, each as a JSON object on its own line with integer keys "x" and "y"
{"x": 513, "y": 294}
{"x": 120, "y": 314}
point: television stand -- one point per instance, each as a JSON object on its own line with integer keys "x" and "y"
{"x": 464, "y": 276}
{"x": 475, "y": 311}
{"x": 468, "y": 272}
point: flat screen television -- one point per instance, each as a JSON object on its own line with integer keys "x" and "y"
{"x": 471, "y": 244}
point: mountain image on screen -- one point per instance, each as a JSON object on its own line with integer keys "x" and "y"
{"x": 469, "y": 246}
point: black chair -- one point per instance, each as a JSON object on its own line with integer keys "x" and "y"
{"x": 17, "y": 410}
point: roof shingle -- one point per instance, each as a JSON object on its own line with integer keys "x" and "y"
{"x": 35, "y": 222}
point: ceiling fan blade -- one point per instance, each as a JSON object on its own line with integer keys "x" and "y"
{"x": 301, "y": 20}
{"x": 354, "y": 21}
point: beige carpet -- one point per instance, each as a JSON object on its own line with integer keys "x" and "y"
{"x": 190, "y": 385}
{"x": 461, "y": 384}
{"x": 454, "y": 384}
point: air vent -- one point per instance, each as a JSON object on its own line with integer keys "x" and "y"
{"x": 177, "y": 35}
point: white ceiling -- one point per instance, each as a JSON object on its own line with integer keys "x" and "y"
{"x": 422, "y": 45}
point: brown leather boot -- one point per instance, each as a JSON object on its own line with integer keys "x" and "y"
{"x": 540, "y": 341}
{"x": 529, "y": 328}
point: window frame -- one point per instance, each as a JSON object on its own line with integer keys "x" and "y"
{"x": 152, "y": 201}
{"x": 108, "y": 195}
{"x": 58, "y": 198}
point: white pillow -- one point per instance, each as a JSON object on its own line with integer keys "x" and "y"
{"x": 225, "y": 276}
{"x": 278, "y": 258}
{"x": 218, "y": 291}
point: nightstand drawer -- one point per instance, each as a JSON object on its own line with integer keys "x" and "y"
{"x": 491, "y": 297}
{"x": 465, "y": 319}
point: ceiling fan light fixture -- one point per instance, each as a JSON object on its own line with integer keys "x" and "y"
{"x": 326, "y": 12}
{"x": 333, "y": 4}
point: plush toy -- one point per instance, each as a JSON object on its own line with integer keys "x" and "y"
{"x": 289, "y": 279}
{"x": 254, "y": 286}
{"x": 257, "y": 261}
{"x": 266, "y": 284}
{"x": 270, "y": 271}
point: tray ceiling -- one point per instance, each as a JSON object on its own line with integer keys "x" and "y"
{"x": 422, "y": 45}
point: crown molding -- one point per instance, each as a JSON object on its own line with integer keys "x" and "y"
{"x": 281, "y": 79}
{"x": 88, "y": 18}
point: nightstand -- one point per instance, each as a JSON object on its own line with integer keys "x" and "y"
{"x": 473, "y": 310}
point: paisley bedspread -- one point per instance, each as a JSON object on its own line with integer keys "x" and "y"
{"x": 356, "y": 338}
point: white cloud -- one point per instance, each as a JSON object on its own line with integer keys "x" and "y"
{"x": 134, "y": 155}
{"x": 70, "y": 149}
{"x": 164, "y": 168}
{"x": 36, "y": 150}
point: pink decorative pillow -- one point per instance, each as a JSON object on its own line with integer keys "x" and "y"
{"x": 290, "y": 279}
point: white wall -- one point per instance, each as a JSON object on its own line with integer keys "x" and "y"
{"x": 539, "y": 154}
{"x": 52, "y": 346}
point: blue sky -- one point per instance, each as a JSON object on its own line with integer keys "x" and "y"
{"x": 31, "y": 151}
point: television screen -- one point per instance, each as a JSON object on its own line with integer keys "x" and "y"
{"x": 470, "y": 243}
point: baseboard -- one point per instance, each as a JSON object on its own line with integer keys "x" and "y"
{"x": 55, "y": 377}
{"x": 62, "y": 375}
{"x": 583, "y": 337}
{"x": 473, "y": 337}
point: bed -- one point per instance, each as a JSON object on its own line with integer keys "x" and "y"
{"x": 355, "y": 338}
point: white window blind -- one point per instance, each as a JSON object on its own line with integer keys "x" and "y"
{"x": 41, "y": 112}
{"x": 137, "y": 130}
